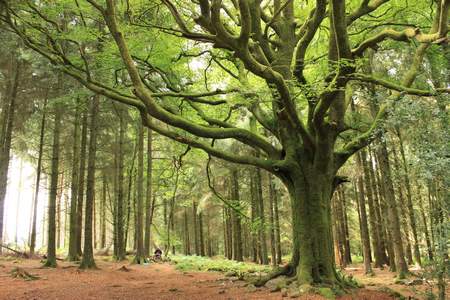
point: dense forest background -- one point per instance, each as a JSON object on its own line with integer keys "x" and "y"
{"x": 128, "y": 126}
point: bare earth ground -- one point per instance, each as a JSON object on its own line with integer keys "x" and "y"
{"x": 155, "y": 281}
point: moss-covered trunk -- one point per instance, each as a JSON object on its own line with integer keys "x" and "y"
{"x": 310, "y": 192}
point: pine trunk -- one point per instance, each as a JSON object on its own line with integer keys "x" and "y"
{"x": 51, "y": 235}
{"x": 393, "y": 216}
{"x": 236, "y": 221}
{"x": 81, "y": 179}
{"x": 149, "y": 205}
{"x": 38, "y": 180}
{"x": 87, "y": 261}
{"x": 140, "y": 254}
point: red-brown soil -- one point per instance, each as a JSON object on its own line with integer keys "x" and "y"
{"x": 155, "y": 281}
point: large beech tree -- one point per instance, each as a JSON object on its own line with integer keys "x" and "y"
{"x": 297, "y": 54}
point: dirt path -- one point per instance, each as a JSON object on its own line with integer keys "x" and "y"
{"x": 156, "y": 281}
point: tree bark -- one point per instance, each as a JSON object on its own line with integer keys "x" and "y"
{"x": 236, "y": 221}
{"x": 365, "y": 239}
{"x": 374, "y": 221}
{"x": 149, "y": 204}
{"x": 73, "y": 231}
{"x": 103, "y": 214}
{"x": 81, "y": 178}
{"x": 412, "y": 217}
{"x": 393, "y": 216}
{"x": 51, "y": 235}
{"x": 140, "y": 253}
{"x": 277, "y": 226}
{"x": 273, "y": 245}
{"x": 38, "y": 180}
{"x": 87, "y": 262}
{"x": 119, "y": 218}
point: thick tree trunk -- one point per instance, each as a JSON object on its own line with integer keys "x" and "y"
{"x": 310, "y": 192}
{"x": 38, "y": 181}
{"x": 51, "y": 236}
{"x": 87, "y": 261}
{"x": 236, "y": 221}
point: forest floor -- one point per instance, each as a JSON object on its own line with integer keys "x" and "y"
{"x": 155, "y": 281}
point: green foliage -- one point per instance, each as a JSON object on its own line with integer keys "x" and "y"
{"x": 199, "y": 263}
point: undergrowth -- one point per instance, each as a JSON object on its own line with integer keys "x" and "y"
{"x": 198, "y": 263}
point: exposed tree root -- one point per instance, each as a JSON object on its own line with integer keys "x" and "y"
{"x": 285, "y": 270}
{"x": 21, "y": 273}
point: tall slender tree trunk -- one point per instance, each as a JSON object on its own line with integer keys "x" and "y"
{"x": 262, "y": 231}
{"x": 38, "y": 180}
{"x": 87, "y": 262}
{"x": 373, "y": 220}
{"x": 393, "y": 217}
{"x": 277, "y": 226}
{"x": 103, "y": 214}
{"x": 58, "y": 211}
{"x": 201, "y": 235}
{"x": 140, "y": 253}
{"x": 347, "y": 249}
{"x": 237, "y": 230}
{"x": 196, "y": 231}
{"x": 81, "y": 177}
{"x": 425, "y": 226}
{"x": 385, "y": 218}
{"x": 51, "y": 236}
{"x": 149, "y": 205}
{"x": 365, "y": 238}
{"x": 187, "y": 242}
{"x": 377, "y": 198}
{"x": 73, "y": 230}
{"x": 119, "y": 245}
{"x": 412, "y": 217}
{"x": 254, "y": 217}
{"x": 403, "y": 209}
{"x": 273, "y": 245}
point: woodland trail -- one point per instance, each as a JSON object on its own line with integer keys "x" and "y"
{"x": 113, "y": 281}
